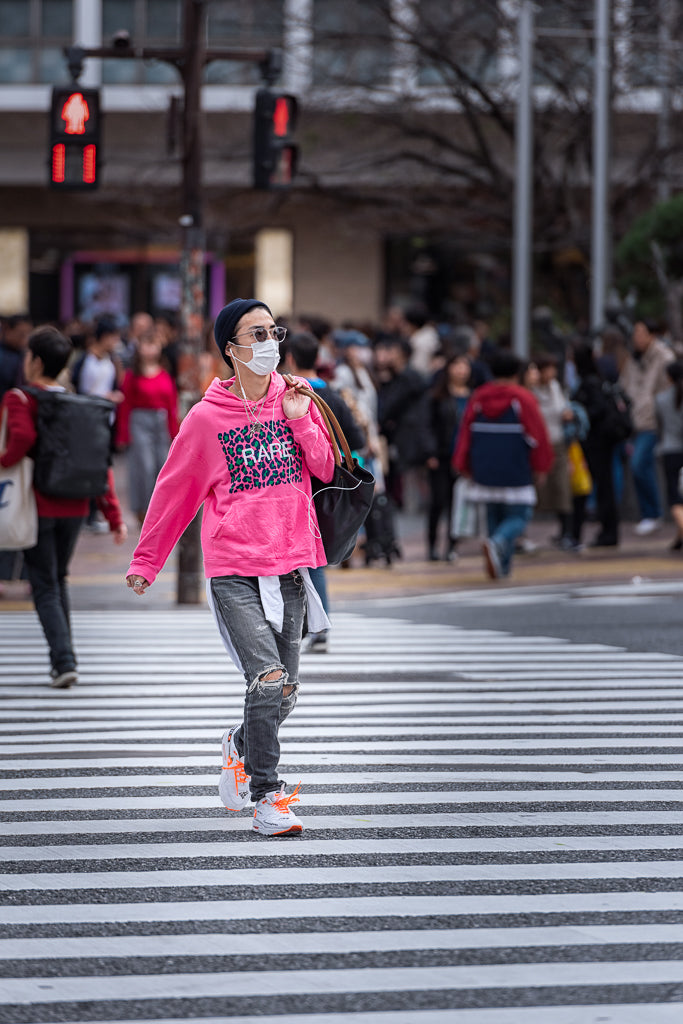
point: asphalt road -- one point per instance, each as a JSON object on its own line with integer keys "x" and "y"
{"x": 493, "y": 822}
{"x": 639, "y": 615}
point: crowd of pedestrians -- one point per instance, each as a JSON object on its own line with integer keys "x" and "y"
{"x": 407, "y": 387}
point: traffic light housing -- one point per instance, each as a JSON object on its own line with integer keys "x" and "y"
{"x": 274, "y": 152}
{"x": 74, "y": 138}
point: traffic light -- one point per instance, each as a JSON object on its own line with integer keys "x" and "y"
{"x": 275, "y": 154}
{"x": 74, "y": 137}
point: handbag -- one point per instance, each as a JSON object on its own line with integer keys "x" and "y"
{"x": 18, "y": 514}
{"x": 342, "y": 504}
{"x": 580, "y": 478}
{"x": 464, "y": 513}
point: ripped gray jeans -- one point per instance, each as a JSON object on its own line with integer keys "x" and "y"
{"x": 263, "y": 653}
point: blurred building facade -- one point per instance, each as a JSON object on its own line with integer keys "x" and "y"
{"x": 387, "y": 208}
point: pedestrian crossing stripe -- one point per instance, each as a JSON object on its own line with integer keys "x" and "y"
{"x": 490, "y": 821}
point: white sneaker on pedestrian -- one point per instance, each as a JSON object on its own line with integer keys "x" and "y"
{"x": 492, "y": 559}
{"x": 273, "y": 817}
{"x": 647, "y": 526}
{"x": 524, "y": 546}
{"x": 314, "y": 643}
{"x": 63, "y": 680}
{"x": 233, "y": 787}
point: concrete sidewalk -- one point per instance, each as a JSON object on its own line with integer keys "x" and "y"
{"x": 99, "y": 567}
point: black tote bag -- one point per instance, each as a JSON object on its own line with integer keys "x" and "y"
{"x": 342, "y": 505}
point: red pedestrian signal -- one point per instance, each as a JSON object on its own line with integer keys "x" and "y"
{"x": 74, "y": 138}
{"x": 75, "y": 113}
{"x": 274, "y": 154}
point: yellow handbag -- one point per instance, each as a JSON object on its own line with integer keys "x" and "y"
{"x": 579, "y": 473}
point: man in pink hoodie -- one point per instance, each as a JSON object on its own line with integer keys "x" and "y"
{"x": 502, "y": 444}
{"x": 247, "y": 451}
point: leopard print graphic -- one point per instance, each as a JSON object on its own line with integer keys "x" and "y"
{"x": 261, "y": 456}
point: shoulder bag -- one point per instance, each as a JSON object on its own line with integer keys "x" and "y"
{"x": 18, "y": 515}
{"x": 342, "y": 505}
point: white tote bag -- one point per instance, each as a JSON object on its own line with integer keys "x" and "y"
{"x": 18, "y": 515}
{"x": 465, "y": 514}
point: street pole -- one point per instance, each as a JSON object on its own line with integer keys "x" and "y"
{"x": 523, "y": 212}
{"x": 191, "y": 269}
{"x": 665, "y": 34}
{"x": 601, "y": 128}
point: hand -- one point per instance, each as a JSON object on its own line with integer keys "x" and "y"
{"x": 120, "y": 534}
{"x": 432, "y": 462}
{"x": 137, "y": 583}
{"x": 295, "y": 404}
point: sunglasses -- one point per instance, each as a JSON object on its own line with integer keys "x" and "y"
{"x": 260, "y": 334}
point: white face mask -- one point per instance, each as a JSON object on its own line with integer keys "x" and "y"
{"x": 265, "y": 357}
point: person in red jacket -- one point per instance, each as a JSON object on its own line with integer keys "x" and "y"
{"x": 147, "y": 421}
{"x": 502, "y": 446}
{"x": 59, "y": 519}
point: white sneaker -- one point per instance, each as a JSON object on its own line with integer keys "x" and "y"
{"x": 63, "y": 680}
{"x": 314, "y": 643}
{"x": 233, "y": 788}
{"x": 273, "y": 817}
{"x": 492, "y": 559}
{"x": 647, "y": 526}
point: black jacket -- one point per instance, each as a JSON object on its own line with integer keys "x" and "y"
{"x": 353, "y": 433}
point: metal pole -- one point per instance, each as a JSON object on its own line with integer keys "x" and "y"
{"x": 665, "y": 63}
{"x": 523, "y": 212}
{"x": 601, "y": 128}
{"x": 189, "y": 585}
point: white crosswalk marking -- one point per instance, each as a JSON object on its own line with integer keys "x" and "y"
{"x": 492, "y": 832}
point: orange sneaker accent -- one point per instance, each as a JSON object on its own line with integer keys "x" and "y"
{"x": 282, "y": 802}
{"x": 238, "y": 768}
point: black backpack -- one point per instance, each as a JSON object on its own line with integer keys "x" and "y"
{"x": 616, "y": 424}
{"x": 72, "y": 454}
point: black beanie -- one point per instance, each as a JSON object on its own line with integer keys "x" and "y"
{"x": 228, "y": 318}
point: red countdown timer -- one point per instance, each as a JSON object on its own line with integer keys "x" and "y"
{"x": 74, "y": 138}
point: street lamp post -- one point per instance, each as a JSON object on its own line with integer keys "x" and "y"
{"x": 600, "y": 245}
{"x": 523, "y": 212}
{"x": 192, "y": 307}
{"x": 601, "y": 137}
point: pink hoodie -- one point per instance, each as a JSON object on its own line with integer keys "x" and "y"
{"x": 254, "y": 481}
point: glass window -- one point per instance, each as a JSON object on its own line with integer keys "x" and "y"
{"x": 56, "y": 17}
{"x": 255, "y": 24}
{"x": 16, "y": 65}
{"x": 15, "y": 18}
{"x": 457, "y": 38}
{"x": 565, "y": 60}
{"x": 149, "y": 22}
{"x": 32, "y": 36}
{"x": 163, "y": 21}
{"x": 117, "y": 14}
{"x": 52, "y": 66}
{"x": 245, "y": 22}
{"x": 647, "y": 60}
{"x": 157, "y": 72}
{"x": 352, "y": 43}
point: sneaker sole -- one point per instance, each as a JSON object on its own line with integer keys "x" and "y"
{"x": 295, "y": 829}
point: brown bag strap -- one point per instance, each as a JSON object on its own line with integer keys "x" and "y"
{"x": 330, "y": 420}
